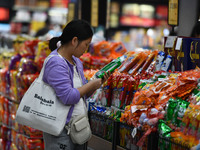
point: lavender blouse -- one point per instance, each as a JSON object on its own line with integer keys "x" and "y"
{"x": 59, "y": 75}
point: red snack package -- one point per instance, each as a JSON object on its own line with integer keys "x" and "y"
{"x": 136, "y": 67}
{"x": 107, "y": 92}
{"x": 118, "y": 47}
{"x": 121, "y": 91}
{"x": 132, "y": 63}
{"x": 131, "y": 89}
{"x": 149, "y": 60}
{"x": 115, "y": 81}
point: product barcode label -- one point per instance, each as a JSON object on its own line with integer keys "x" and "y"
{"x": 26, "y": 108}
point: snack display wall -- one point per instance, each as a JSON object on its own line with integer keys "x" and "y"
{"x": 143, "y": 96}
{"x": 157, "y": 94}
{"x": 16, "y": 76}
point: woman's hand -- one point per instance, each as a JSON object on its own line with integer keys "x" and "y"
{"x": 106, "y": 76}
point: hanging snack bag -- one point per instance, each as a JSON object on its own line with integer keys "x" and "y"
{"x": 107, "y": 92}
{"x": 131, "y": 89}
{"x": 115, "y": 81}
{"x": 121, "y": 88}
{"x": 166, "y": 63}
{"x": 159, "y": 60}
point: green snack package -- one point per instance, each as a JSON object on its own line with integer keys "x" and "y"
{"x": 179, "y": 112}
{"x": 164, "y": 136}
{"x": 170, "y": 109}
{"x": 110, "y": 67}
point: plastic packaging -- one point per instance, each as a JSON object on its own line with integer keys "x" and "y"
{"x": 110, "y": 67}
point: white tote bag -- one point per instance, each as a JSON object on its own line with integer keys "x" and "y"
{"x": 41, "y": 109}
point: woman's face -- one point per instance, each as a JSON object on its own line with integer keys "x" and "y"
{"x": 82, "y": 47}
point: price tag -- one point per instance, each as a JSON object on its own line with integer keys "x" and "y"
{"x": 134, "y": 132}
{"x": 170, "y": 42}
{"x": 178, "y": 44}
{"x": 94, "y": 12}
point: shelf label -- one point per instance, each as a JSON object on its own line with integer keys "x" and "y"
{"x": 178, "y": 44}
{"x": 173, "y": 12}
{"x": 170, "y": 41}
{"x": 71, "y": 12}
{"x": 94, "y": 13}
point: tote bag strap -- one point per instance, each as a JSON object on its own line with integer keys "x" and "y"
{"x": 44, "y": 64}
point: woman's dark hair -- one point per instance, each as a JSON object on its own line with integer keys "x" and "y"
{"x": 196, "y": 30}
{"x": 76, "y": 28}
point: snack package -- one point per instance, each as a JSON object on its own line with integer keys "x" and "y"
{"x": 86, "y": 60}
{"x": 115, "y": 81}
{"x": 41, "y": 53}
{"x": 166, "y": 63}
{"x": 148, "y": 61}
{"x": 3, "y": 81}
{"x": 106, "y": 97}
{"x": 159, "y": 60}
{"x": 125, "y": 63}
{"x": 170, "y": 107}
{"x": 179, "y": 111}
{"x": 137, "y": 66}
{"x": 118, "y": 47}
{"x": 164, "y": 133}
{"x": 102, "y": 49}
{"x": 131, "y": 89}
{"x": 121, "y": 90}
{"x": 131, "y": 63}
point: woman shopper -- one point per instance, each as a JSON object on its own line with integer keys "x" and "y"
{"x": 65, "y": 75}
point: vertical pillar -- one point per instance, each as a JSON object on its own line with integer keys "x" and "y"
{"x": 188, "y": 16}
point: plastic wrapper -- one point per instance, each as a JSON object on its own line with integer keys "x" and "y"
{"x": 13, "y": 92}
{"x": 170, "y": 107}
{"x": 164, "y": 132}
{"x": 30, "y": 47}
{"x": 131, "y": 89}
{"x": 166, "y": 63}
{"x": 86, "y": 60}
{"x": 99, "y": 62}
{"x": 13, "y": 147}
{"x": 107, "y": 92}
{"x": 89, "y": 73}
{"x": 32, "y": 133}
{"x": 159, "y": 60}
{"x": 118, "y": 47}
{"x": 126, "y": 63}
{"x": 33, "y": 144}
{"x": 131, "y": 63}
{"x": 3, "y": 81}
{"x": 24, "y": 82}
{"x": 120, "y": 93}
{"x": 115, "y": 80}
{"x": 102, "y": 49}
{"x": 41, "y": 53}
{"x": 179, "y": 112}
{"x": 139, "y": 64}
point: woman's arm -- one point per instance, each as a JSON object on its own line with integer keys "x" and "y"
{"x": 89, "y": 88}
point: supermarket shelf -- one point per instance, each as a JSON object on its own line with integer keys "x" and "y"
{"x": 30, "y": 8}
{"x": 21, "y": 21}
{"x": 28, "y": 137}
